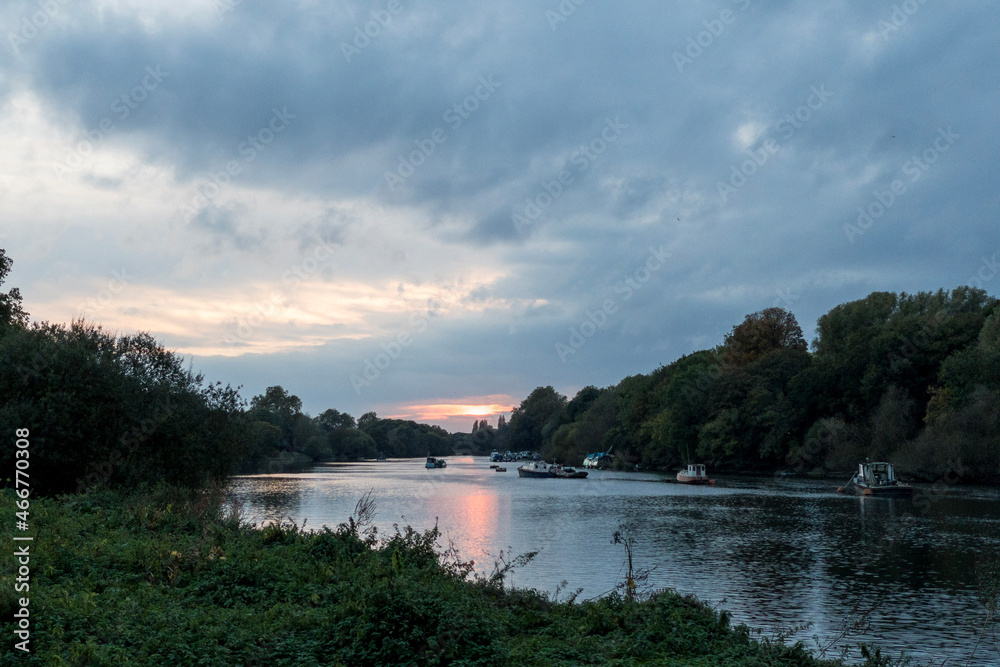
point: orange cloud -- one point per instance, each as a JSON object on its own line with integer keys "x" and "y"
{"x": 455, "y": 413}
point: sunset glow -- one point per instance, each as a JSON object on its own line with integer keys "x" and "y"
{"x": 455, "y": 414}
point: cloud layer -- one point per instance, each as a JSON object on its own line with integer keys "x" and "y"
{"x": 442, "y": 195}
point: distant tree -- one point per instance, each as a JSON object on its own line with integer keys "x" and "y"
{"x": 331, "y": 419}
{"x": 284, "y": 410}
{"x": 542, "y": 407}
{"x": 367, "y": 420}
{"x": 761, "y": 333}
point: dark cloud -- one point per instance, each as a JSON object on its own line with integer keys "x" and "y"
{"x": 726, "y": 155}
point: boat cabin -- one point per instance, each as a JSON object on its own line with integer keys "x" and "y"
{"x": 876, "y": 474}
{"x": 696, "y": 470}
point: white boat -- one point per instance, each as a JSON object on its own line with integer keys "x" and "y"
{"x": 598, "y": 459}
{"x": 695, "y": 474}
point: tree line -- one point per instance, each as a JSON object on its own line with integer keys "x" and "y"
{"x": 912, "y": 378}
{"x": 120, "y": 411}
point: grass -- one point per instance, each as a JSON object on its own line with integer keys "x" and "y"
{"x": 170, "y": 577}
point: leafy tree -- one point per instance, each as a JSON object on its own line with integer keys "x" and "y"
{"x": 541, "y": 409}
{"x": 11, "y": 314}
{"x": 331, "y": 419}
{"x": 114, "y": 411}
{"x": 761, "y": 333}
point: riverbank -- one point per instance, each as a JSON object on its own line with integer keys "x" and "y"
{"x": 173, "y": 578}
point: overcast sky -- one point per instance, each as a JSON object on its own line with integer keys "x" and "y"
{"x": 411, "y": 207}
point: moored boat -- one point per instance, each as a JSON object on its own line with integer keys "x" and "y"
{"x": 542, "y": 469}
{"x": 598, "y": 459}
{"x": 695, "y": 474}
{"x": 536, "y": 469}
{"x": 878, "y": 479}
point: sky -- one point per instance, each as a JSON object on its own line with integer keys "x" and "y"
{"x": 429, "y": 209}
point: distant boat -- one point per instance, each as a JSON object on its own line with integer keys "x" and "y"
{"x": 499, "y": 469}
{"x": 542, "y": 469}
{"x": 695, "y": 474}
{"x": 598, "y": 459}
{"x": 878, "y": 479}
{"x": 434, "y": 463}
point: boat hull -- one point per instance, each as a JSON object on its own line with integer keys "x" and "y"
{"x": 521, "y": 472}
{"x": 687, "y": 479}
{"x": 900, "y": 491}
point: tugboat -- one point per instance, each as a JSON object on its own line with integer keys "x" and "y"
{"x": 878, "y": 479}
{"x": 695, "y": 474}
{"x": 434, "y": 463}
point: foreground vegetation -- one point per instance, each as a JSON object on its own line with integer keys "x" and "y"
{"x": 170, "y": 577}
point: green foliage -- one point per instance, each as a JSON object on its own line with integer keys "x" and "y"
{"x": 913, "y": 378}
{"x": 11, "y": 314}
{"x": 176, "y": 578}
{"x": 113, "y": 411}
{"x": 400, "y": 438}
{"x": 536, "y": 418}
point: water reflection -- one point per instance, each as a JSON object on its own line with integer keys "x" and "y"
{"x": 775, "y": 553}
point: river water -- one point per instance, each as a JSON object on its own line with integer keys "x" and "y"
{"x": 776, "y": 553}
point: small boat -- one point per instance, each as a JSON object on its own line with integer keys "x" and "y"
{"x": 434, "y": 463}
{"x": 499, "y": 469}
{"x": 695, "y": 474}
{"x": 542, "y": 469}
{"x": 536, "y": 469}
{"x": 878, "y": 479}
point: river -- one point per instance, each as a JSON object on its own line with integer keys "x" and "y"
{"x": 776, "y": 553}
